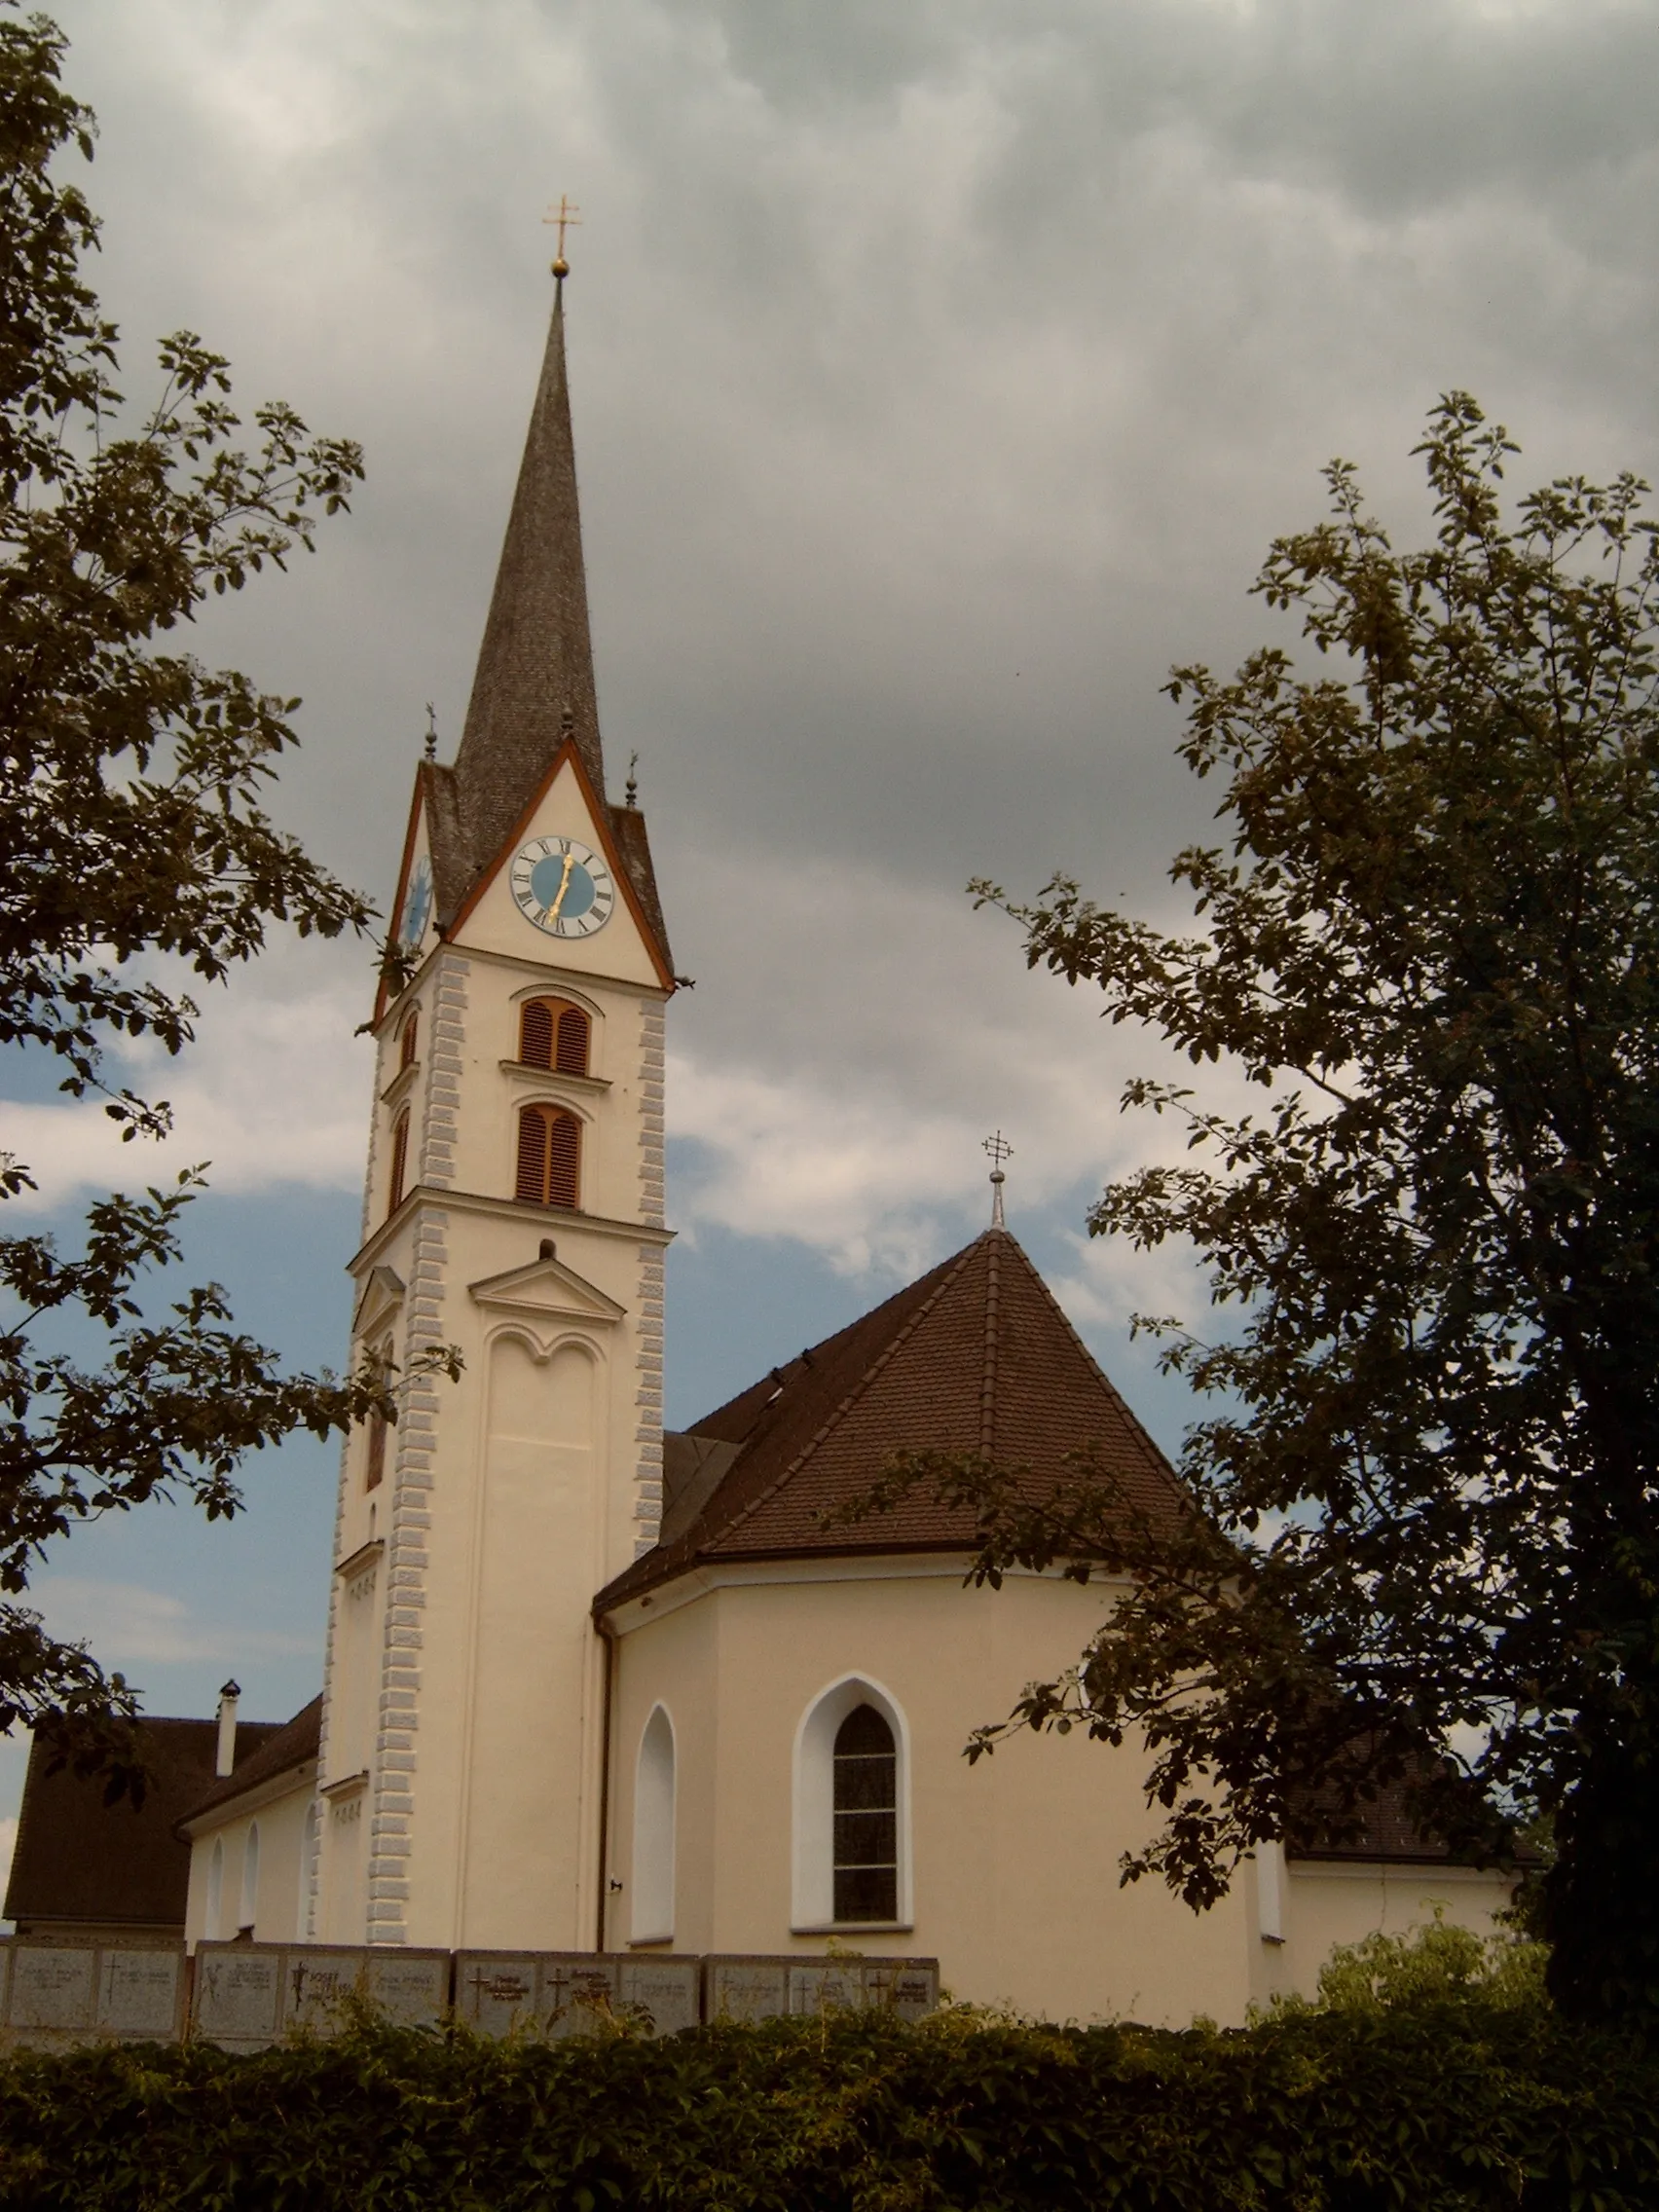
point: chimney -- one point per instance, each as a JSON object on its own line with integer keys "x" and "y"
{"x": 225, "y": 1759}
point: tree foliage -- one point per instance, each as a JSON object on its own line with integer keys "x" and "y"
{"x": 1428, "y": 1549}
{"x": 134, "y": 854}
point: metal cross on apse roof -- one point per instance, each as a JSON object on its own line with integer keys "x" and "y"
{"x": 567, "y": 215}
{"x": 999, "y": 1149}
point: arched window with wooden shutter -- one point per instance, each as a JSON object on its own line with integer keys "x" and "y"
{"x": 399, "y": 1160}
{"x": 374, "y": 1472}
{"x": 572, "y": 1047}
{"x": 554, "y": 1034}
{"x": 549, "y": 1158}
{"x": 535, "y": 1033}
{"x": 409, "y": 1039}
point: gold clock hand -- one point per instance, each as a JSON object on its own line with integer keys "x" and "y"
{"x": 564, "y": 886}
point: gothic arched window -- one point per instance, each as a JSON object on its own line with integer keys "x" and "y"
{"x": 400, "y": 1161}
{"x": 553, "y": 1034}
{"x": 408, "y": 1039}
{"x": 210, "y": 1927}
{"x": 549, "y": 1158}
{"x": 250, "y": 1911}
{"x": 867, "y": 1818}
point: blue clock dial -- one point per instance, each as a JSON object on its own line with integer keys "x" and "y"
{"x": 417, "y": 903}
{"x": 561, "y": 887}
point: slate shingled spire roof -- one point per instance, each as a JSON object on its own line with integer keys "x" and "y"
{"x": 534, "y": 682}
{"x": 977, "y": 1356}
{"x": 535, "y": 675}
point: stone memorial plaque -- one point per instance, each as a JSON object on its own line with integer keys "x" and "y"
{"x": 745, "y": 1989}
{"x": 664, "y": 1988}
{"x": 52, "y": 1990}
{"x": 239, "y": 1994}
{"x": 826, "y": 1985}
{"x": 495, "y": 1992}
{"x": 410, "y": 1987}
{"x": 577, "y": 1988}
{"x": 909, "y": 1986}
{"x": 315, "y": 1980}
{"x": 141, "y": 1993}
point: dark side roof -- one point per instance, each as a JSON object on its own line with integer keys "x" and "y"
{"x": 289, "y": 1747}
{"x": 975, "y": 1356}
{"x": 78, "y": 1859}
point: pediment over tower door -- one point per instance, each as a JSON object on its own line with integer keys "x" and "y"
{"x": 382, "y": 1296}
{"x": 559, "y": 890}
{"x": 547, "y": 1291}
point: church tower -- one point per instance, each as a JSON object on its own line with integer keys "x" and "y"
{"x": 513, "y": 1207}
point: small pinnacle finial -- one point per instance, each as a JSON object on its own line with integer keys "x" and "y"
{"x": 567, "y": 216}
{"x": 999, "y": 1149}
{"x": 432, "y": 731}
{"x": 632, "y": 794}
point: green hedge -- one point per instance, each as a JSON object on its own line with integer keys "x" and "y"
{"x": 1454, "y": 2103}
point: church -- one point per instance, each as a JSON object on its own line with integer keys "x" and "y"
{"x": 589, "y": 1686}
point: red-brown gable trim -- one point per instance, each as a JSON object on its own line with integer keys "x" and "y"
{"x": 601, "y": 816}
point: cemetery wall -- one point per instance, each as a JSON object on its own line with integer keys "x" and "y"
{"x": 249, "y": 1996}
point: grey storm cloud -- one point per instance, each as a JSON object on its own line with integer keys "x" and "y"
{"x": 940, "y": 371}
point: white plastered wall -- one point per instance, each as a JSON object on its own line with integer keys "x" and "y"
{"x": 1013, "y": 1861}
{"x": 1012, "y": 1865}
{"x": 282, "y": 1825}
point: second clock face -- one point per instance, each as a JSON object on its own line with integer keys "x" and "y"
{"x": 561, "y": 887}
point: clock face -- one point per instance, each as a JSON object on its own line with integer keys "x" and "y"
{"x": 561, "y": 887}
{"x": 417, "y": 903}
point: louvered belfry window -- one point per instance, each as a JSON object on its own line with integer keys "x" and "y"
{"x": 407, "y": 1042}
{"x": 554, "y": 1035}
{"x": 399, "y": 1160}
{"x": 867, "y": 1818}
{"x": 549, "y": 1158}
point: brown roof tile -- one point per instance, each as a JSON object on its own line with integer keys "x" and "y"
{"x": 78, "y": 1859}
{"x": 975, "y": 1356}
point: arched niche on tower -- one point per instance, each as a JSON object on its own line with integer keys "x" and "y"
{"x": 540, "y": 1501}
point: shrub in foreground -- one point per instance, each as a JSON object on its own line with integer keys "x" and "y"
{"x": 1442, "y": 2104}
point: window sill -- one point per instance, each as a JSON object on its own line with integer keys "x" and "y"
{"x": 856, "y": 1928}
{"x": 652, "y": 1942}
{"x": 401, "y": 1084}
{"x": 596, "y": 1086}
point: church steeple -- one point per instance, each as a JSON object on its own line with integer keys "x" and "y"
{"x": 534, "y": 678}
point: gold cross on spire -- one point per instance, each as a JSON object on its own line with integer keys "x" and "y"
{"x": 567, "y": 215}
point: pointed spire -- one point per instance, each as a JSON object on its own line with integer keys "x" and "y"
{"x": 535, "y": 680}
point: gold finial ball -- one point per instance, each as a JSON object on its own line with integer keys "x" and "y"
{"x": 561, "y": 267}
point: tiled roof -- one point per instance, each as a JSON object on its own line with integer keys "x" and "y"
{"x": 1387, "y": 1830}
{"x": 287, "y": 1748}
{"x": 975, "y": 1356}
{"x": 79, "y": 1859}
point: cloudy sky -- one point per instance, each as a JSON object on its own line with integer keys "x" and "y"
{"x": 942, "y": 369}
